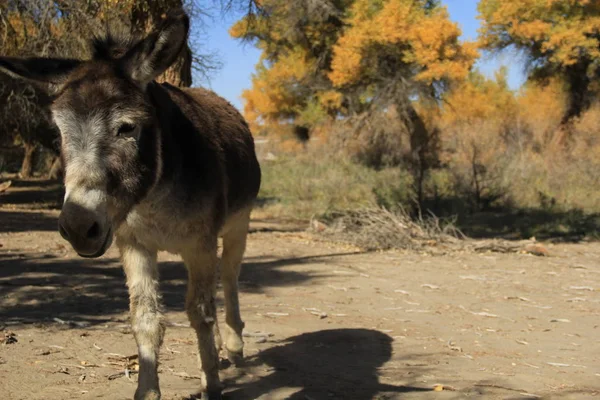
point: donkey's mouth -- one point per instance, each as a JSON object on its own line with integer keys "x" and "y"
{"x": 105, "y": 245}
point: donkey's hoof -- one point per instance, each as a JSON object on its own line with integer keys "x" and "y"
{"x": 236, "y": 358}
{"x": 147, "y": 395}
{"x": 215, "y": 395}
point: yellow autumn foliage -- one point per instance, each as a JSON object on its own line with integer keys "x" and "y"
{"x": 293, "y": 80}
{"x": 472, "y": 122}
{"x": 272, "y": 91}
{"x": 21, "y": 29}
{"x": 479, "y": 98}
{"x": 559, "y": 31}
{"x": 540, "y": 110}
{"x": 426, "y": 40}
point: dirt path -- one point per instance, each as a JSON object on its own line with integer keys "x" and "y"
{"x": 342, "y": 324}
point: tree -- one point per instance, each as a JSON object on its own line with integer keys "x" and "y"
{"x": 541, "y": 110}
{"x": 477, "y": 121}
{"x": 396, "y": 51}
{"x": 25, "y": 30}
{"x": 62, "y": 28}
{"x": 559, "y": 38}
{"x": 354, "y": 60}
{"x": 291, "y": 82}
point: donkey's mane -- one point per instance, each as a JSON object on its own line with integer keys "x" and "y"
{"x": 112, "y": 45}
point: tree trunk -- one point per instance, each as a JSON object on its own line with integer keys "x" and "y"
{"x": 302, "y": 133}
{"x": 476, "y": 182}
{"x": 28, "y": 159}
{"x": 423, "y": 144}
{"x": 580, "y": 95}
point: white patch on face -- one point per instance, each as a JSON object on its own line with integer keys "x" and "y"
{"x": 90, "y": 199}
{"x": 85, "y": 171}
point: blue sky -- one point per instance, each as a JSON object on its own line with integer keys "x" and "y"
{"x": 240, "y": 59}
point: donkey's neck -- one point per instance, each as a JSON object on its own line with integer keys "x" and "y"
{"x": 191, "y": 157}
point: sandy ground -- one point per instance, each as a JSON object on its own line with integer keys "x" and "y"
{"x": 337, "y": 323}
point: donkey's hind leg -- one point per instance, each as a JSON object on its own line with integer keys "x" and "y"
{"x": 234, "y": 245}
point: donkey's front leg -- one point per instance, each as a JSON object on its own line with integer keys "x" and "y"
{"x": 144, "y": 303}
{"x": 201, "y": 310}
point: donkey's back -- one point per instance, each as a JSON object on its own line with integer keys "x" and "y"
{"x": 207, "y": 147}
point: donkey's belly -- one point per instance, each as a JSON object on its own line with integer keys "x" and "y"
{"x": 165, "y": 233}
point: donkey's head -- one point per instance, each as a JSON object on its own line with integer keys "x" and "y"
{"x": 110, "y": 141}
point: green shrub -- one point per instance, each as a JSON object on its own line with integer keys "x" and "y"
{"x": 311, "y": 184}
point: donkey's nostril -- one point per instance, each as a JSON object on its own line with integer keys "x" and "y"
{"x": 94, "y": 231}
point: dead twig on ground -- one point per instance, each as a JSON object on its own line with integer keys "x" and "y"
{"x": 496, "y": 386}
{"x": 381, "y": 229}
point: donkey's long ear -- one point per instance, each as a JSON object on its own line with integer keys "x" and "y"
{"x": 49, "y": 74}
{"x": 154, "y": 54}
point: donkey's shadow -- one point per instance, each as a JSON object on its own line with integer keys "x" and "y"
{"x": 332, "y": 364}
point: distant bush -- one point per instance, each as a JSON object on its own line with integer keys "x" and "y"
{"x": 314, "y": 183}
{"x": 500, "y": 154}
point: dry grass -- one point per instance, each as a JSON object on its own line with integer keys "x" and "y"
{"x": 510, "y": 191}
{"x": 317, "y": 183}
{"x": 381, "y": 229}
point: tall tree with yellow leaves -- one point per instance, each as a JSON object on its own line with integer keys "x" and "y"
{"x": 347, "y": 58}
{"x": 291, "y": 82}
{"x": 399, "y": 50}
{"x": 559, "y": 37}
{"x": 344, "y": 55}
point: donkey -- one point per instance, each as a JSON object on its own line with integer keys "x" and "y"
{"x": 159, "y": 168}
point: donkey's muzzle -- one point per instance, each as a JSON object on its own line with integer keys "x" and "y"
{"x": 84, "y": 230}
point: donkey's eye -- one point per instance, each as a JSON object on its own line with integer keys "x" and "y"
{"x": 126, "y": 130}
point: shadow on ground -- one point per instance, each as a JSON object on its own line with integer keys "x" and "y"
{"x": 544, "y": 223}
{"x": 38, "y": 193}
{"x": 336, "y": 364}
{"x": 22, "y": 221}
{"x": 567, "y": 226}
{"x": 38, "y": 289}
{"x": 349, "y": 364}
